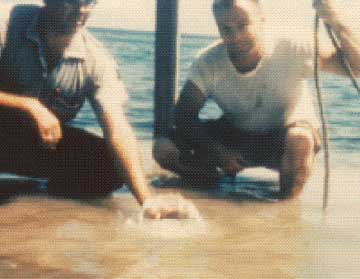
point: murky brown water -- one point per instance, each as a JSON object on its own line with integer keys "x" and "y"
{"x": 236, "y": 238}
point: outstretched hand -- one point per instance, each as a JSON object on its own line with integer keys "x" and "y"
{"x": 169, "y": 206}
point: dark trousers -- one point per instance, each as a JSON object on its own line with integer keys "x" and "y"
{"x": 256, "y": 149}
{"x": 82, "y": 165}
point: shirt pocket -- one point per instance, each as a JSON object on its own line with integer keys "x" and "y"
{"x": 67, "y": 87}
{"x": 67, "y": 99}
{"x": 66, "y": 103}
{"x": 67, "y": 92}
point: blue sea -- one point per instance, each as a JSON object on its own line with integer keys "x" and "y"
{"x": 134, "y": 52}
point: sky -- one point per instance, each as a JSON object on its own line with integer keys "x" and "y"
{"x": 195, "y": 15}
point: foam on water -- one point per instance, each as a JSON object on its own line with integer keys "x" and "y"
{"x": 167, "y": 228}
{"x": 174, "y": 205}
{"x": 186, "y": 223}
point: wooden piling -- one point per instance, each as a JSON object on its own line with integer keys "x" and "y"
{"x": 166, "y": 65}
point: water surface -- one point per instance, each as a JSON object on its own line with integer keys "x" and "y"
{"x": 242, "y": 232}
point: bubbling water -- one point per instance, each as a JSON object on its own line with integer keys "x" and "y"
{"x": 171, "y": 206}
{"x": 183, "y": 218}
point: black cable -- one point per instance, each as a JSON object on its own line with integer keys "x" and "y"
{"x": 346, "y": 66}
{"x": 322, "y": 114}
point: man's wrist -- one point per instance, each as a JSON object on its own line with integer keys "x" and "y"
{"x": 144, "y": 196}
{"x": 338, "y": 27}
{"x": 141, "y": 190}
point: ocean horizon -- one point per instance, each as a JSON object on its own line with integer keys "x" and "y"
{"x": 144, "y": 32}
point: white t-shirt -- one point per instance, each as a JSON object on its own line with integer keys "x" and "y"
{"x": 273, "y": 95}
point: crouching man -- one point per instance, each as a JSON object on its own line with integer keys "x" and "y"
{"x": 260, "y": 83}
{"x": 49, "y": 65}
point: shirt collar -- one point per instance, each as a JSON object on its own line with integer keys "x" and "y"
{"x": 76, "y": 48}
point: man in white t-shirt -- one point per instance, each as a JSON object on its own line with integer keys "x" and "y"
{"x": 260, "y": 84}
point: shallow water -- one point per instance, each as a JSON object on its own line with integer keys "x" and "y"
{"x": 242, "y": 232}
{"x": 236, "y": 236}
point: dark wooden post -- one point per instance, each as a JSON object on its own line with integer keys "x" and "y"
{"x": 166, "y": 65}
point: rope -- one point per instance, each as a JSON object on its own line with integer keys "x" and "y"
{"x": 322, "y": 114}
{"x": 346, "y": 66}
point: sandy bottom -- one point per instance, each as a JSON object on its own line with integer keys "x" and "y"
{"x": 240, "y": 234}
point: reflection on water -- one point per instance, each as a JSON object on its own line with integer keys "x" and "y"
{"x": 234, "y": 238}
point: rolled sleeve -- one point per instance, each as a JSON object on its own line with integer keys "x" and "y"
{"x": 108, "y": 85}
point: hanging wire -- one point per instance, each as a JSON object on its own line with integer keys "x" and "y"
{"x": 346, "y": 66}
{"x": 322, "y": 114}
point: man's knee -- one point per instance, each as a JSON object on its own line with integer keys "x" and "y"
{"x": 299, "y": 151}
{"x": 299, "y": 147}
{"x": 165, "y": 153}
{"x": 300, "y": 140}
{"x": 297, "y": 161}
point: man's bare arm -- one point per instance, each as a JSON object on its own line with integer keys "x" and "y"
{"x": 187, "y": 112}
{"x": 122, "y": 141}
{"x": 48, "y": 125}
{"x": 188, "y": 124}
{"x": 349, "y": 43}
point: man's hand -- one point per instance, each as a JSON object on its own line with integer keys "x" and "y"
{"x": 230, "y": 161}
{"x": 47, "y": 123}
{"x": 169, "y": 206}
{"x": 326, "y": 11}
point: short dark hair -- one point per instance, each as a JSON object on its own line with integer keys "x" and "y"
{"x": 228, "y": 4}
{"x": 223, "y": 4}
{"x": 86, "y": 2}
{"x": 231, "y": 2}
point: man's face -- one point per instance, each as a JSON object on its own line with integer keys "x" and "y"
{"x": 67, "y": 16}
{"x": 240, "y": 27}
